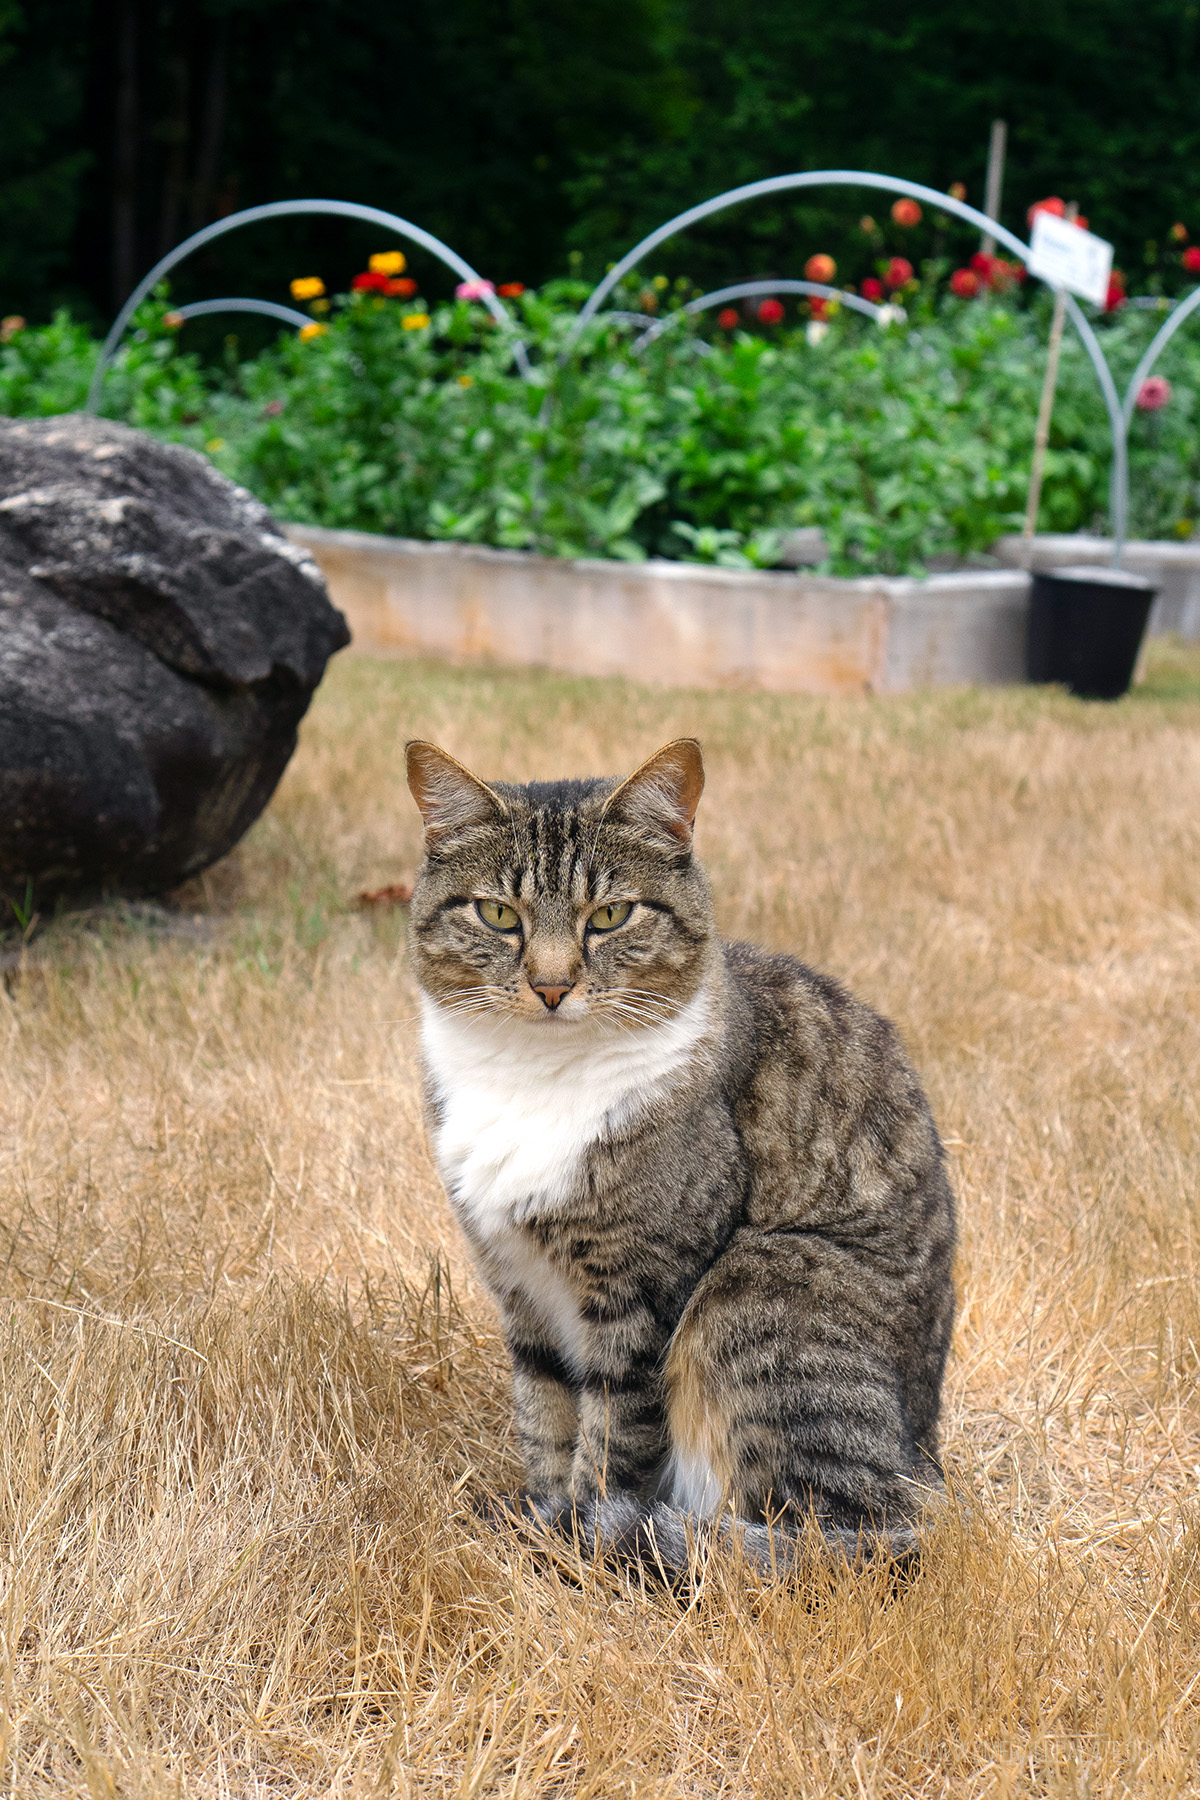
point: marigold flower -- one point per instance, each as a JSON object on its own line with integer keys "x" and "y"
{"x": 307, "y": 287}
{"x": 820, "y": 268}
{"x": 906, "y": 212}
{"x": 1153, "y": 394}
{"x": 511, "y": 290}
{"x": 1178, "y": 233}
{"x": 727, "y": 318}
{"x": 10, "y": 326}
{"x": 473, "y": 290}
{"x": 957, "y": 190}
{"x": 388, "y": 262}
{"x": 964, "y": 283}
{"x": 770, "y": 312}
{"x": 1191, "y": 259}
{"x": 415, "y": 321}
{"x": 402, "y": 288}
{"x": 369, "y": 282}
{"x": 872, "y": 289}
{"x": 1052, "y": 205}
{"x": 899, "y": 272}
{"x": 173, "y": 320}
{"x": 313, "y": 329}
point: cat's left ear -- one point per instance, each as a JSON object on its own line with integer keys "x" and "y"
{"x": 661, "y": 797}
{"x": 451, "y": 799}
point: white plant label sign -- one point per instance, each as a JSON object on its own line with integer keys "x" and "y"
{"x": 1068, "y": 257}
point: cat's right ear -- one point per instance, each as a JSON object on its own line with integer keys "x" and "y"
{"x": 660, "y": 798}
{"x": 451, "y": 799}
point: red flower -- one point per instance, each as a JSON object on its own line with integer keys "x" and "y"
{"x": 818, "y": 307}
{"x": 402, "y": 287}
{"x": 511, "y": 290}
{"x": 906, "y": 212}
{"x": 1052, "y": 205}
{"x": 727, "y": 318}
{"x": 1153, "y": 394}
{"x": 1191, "y": 259}
{"x": 770, "y": 312}
{"x": 964, "y": 283}
{"x": 898, "y": 272}
{"x": 872, "y": 289}
{"x": 1116, "y": 295}
{"x": 820, "y": 268}
{"x": 982, "y": 265}
{"x": 371, "y": 281}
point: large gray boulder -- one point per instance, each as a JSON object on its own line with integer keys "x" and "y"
{"x": 160, "y": 640}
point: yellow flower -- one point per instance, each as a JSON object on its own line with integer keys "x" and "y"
{"x": 214, "y": 444}
{"x": 307, "y": 287}
{"x": 320, "y": 306}
{"x": 466, "y": 381}
{"x": 388, "y": 262}
{"x": 415, "y": 321}
{"x": 661, "y": 282}
{"x": 315, "y": 329}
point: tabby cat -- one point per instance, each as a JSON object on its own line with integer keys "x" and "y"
{"x": 701, "y": 1181}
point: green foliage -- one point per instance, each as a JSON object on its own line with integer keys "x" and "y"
{"x": 901, "y": 444}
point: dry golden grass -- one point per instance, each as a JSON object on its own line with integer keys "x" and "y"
{"x": 249, "y": 1377}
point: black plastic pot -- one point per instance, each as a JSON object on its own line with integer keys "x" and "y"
{"x": 1086, "y": 627}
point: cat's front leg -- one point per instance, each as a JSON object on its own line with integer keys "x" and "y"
{"x": 622, "y": 1433}
{"x": 547, "y": 1414}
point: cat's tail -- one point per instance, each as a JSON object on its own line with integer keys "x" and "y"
{"x": 672, "y": 1546}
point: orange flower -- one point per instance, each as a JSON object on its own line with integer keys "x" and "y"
{"x": 957, "y": 190}
{"x": 906, "y": 212}
{"x": 511, "y": 290}
{"x": 173, "y": 320}
{"x": 403, "y": 288}
{"x": 307, "y": 287}
{"x": 388, "y": 262}
{"x": 10, "y": 326}
{"x": 1178, "y": 232}
{"x": 312, "y": 330}
{"x": 820, "y": 268}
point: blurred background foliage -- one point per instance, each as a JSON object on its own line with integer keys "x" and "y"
{"x": 538, "y": 136}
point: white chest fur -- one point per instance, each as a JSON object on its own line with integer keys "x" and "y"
{"x": 521, "y": 1104}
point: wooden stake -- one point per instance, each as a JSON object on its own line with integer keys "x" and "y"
{"x": 997, "y": 145}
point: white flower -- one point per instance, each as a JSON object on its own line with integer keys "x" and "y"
{"x": 891, "y": 314}
{"x": 814, "y": 331}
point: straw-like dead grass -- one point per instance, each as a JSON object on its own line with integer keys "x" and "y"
{"x": 249, "y": 1378}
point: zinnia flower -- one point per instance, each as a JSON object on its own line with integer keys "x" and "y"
{"x": 415, "y": 321}
{"x": 369, "y": 282}
{"x": 818, "y": 307}
{"x": 1052, "y": 205}
{"x": 770, "y": 312}
{"x": 1116, "y": 296}
{"x": 964, "y": 283}
{"x": 466, "y": 380}
{"x": 982, "y": 265}
{"x": 899, "y": 272}
{"x": 1153, "y": 394}
{"x": 957, "y": 190}
{"x": 815, "y": 331}
{"x": 307, "y": 287}
{"x": 511, "y": 290}
{"x": 866, "y": 224}
{"x": 173, "y": 320}
{"x": 906, "y": 212}
{"x": 404, "y": 287}
{"x": 872, "y": 289}
{"x": 473, "y": 290}
{"x": 820, "y": 268}
{"x": 313, "y": 329}
{"x": 1191, "y": 259}
{"x": 10, "y": 326}
{"x": 388, "y": 262}
{"x": 1178, "y": 233}
{"x": 727, "y": 318}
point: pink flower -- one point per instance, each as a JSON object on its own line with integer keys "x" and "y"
{"x": 727, "y": 318}
{"x": 1153, "y": 394}
{"x": 872, "y": 289}
{"x": 1191, "y": 259}
{"x": 964, "y": 283}
{"x": 770, "y": 312}
{"x": 473, "y": 290}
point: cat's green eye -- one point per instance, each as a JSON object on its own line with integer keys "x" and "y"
{"x": 497, "y": 915}
{"x": 607, "y": 918}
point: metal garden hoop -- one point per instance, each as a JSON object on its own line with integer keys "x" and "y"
{"x": 281, "y": 209}
{"x": 744, "y": 290}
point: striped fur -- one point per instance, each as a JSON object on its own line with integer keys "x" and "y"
{"x": 702, "y": 1182}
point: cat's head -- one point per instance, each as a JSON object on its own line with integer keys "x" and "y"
{"x": 563, "y": 902}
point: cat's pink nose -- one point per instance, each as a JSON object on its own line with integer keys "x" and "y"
{"x": 551, "y": 996}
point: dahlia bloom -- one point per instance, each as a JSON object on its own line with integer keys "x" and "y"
{"x": 388, "y": 262}
{"x": 898, "y": 272}
{"x": 307, "y": 287}
{"x": 906, "y": 212}
{"x": 964, "y": 283}
{"x": 770, "y": 312}
{"x": 727, "y": 318}
{"x": 1153, "y": 394}
{"x": 820, "y": 268}
{"x": 473, "y": 290}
